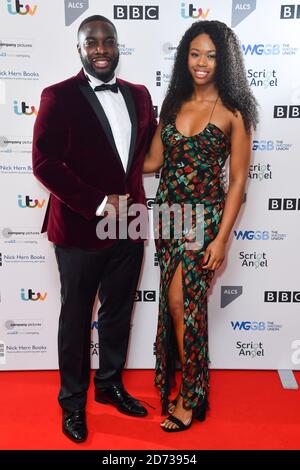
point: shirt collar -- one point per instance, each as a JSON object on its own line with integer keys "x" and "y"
{"x": 93, "y": 81}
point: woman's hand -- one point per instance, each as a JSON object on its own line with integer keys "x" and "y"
{"x": 214, "y": 255}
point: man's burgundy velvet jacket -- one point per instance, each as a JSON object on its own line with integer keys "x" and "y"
{"x": 76, "y": 159}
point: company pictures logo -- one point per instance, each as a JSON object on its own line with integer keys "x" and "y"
{"x": 14, "y": 7}
{"x": 30, "y": 295}
{"x": 136, "y": 12}
{"x": 191, "y": 11}
{"x": 27, "y": 202}
{"x": 22, "y": 108}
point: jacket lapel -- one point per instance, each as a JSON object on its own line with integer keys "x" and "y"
{"x": 91, "y": 97}
{"x": 132, "y": 114}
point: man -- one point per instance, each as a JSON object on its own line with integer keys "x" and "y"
{"x": 90, "y": 138}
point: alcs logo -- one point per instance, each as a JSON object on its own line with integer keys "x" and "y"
{"x": 29, "y": 202}
{"x": 193, "y": 12}
{"x": 32, "y": 295}
{"x": 19, "y": 9}
{"x": 23, "y": 109}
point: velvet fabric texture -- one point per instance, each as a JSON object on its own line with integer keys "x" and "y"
{"x": 76, "y": 159}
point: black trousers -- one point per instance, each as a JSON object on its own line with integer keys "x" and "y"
{"x": 114, "y": 273}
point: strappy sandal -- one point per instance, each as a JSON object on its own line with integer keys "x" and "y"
{"x": 180, "y": 425}
{"x": 172, "y": 405}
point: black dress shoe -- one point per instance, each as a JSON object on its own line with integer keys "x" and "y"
{"x": 117, "y": 396}
{"x": 74, "y": 425}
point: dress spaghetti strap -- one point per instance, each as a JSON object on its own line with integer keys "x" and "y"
{"x": 213, "y": 110}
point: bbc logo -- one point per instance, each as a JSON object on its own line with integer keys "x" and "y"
{"x": 158, "y": 78}
{"x": 285, "y": 111}
{"x": 282, "y": 296}
{"x": 149, "y": 202}
{"x": 145, "y": 296}
{"x": 136, "y": 12}
{"x": 285, "y": 204}
{"x": 289, "y": 12}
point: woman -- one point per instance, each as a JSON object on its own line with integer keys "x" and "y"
{"x": 209, "y": 112}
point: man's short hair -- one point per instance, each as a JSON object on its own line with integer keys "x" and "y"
{"x": 89, "y": 19}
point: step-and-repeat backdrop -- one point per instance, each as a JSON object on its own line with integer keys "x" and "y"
{"x": 254, "y": 315}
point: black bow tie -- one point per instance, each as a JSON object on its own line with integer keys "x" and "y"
{"x": 113, "y": 87}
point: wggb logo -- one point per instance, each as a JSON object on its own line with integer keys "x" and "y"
{"x": 261, "y": 49}
{"x": 136, "y": 12}
{"x": 251, "y": 235}
{"x": 259, "y": 235}
{"x": 248, "y": 325}
{"x": 270, "y": 145}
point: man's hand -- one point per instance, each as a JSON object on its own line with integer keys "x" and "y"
{"x": 117, "y": 205}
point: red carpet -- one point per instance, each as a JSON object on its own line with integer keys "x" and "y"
{"x": 249, "y": 410}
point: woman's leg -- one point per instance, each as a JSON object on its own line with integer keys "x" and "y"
{"x": 176, "y": 309}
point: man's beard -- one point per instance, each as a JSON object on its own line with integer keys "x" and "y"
{"x": 103, "y": 76}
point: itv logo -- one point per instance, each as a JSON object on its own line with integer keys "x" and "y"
{"x": 193, "y": 12}
{"x": 22, "y": 109}
{"x": 32, "y": 296}
{"x": 14, "y": 7}
{"x": 27, "y": 202}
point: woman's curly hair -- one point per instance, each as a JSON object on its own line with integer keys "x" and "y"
{"x": 231, "y": 79}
